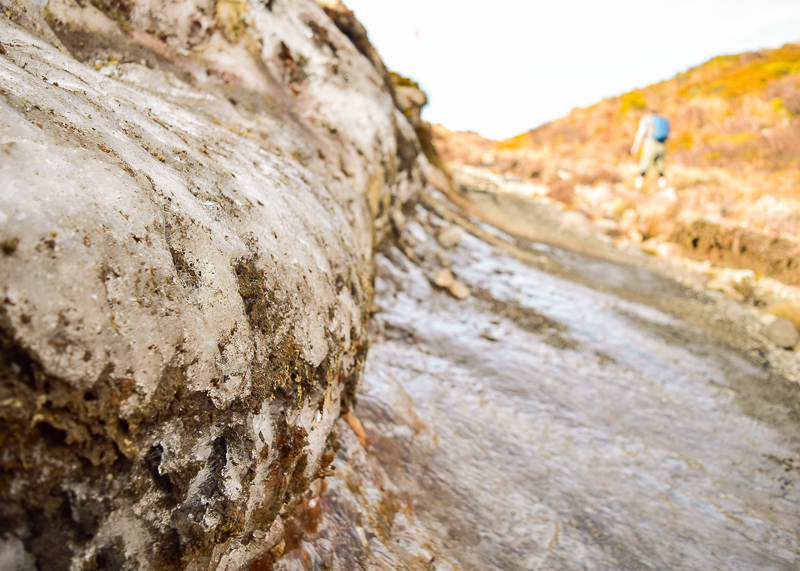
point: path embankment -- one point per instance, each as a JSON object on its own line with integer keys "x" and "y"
{"x": 189, "y": 206}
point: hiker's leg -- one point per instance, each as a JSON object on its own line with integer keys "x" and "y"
{"x": 648, "y": 156}
{"x": 646, "y": 162}
{"x": 660, "y": 160}
{"x": 650, "y": 151}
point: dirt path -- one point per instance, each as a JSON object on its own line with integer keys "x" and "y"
{"x": 581, "y": 253}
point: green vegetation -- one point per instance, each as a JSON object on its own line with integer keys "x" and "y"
{"x": 401, "y": 81}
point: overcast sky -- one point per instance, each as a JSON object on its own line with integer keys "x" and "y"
{"x": 505, "y": 66}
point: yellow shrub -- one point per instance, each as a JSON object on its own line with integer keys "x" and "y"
{"x": 728, "y": 138}
{"x": 733, "y": 76}
{"x": 778, "y": 68}
{"x": 778, "y": 107}
{"x": 684, "y": 141}
{"x": 632, "y": 101}
{"x": 741, "y": 138}
{"x": 514, "y": 143}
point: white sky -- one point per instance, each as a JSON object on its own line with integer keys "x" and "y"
{"x": 501, "y": 67}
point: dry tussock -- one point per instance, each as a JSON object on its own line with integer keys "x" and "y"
{"x": 595, "y": 174}
{"x": 788, "y": 310}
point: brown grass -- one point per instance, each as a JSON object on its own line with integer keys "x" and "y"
{"x": 790, "y": 311}
{"x": 595, "y": 174}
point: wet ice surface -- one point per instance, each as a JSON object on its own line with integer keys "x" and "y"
{"x": 626, "y": 451}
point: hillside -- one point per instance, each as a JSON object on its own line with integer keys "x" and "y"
{"x": 736, "y": 111}
{"x": 733, "y": 160}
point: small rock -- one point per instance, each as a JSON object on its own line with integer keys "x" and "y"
{"x": 409, "y": 97}
{"x": 607, "y": 226}
{"x": 450, "y": 237}
{"x": 14, "y": 556}
{"x": 487, "y": 334}
{"x": 649, "y": 247}
{"x": 768, "y": 319}
{"x": 444, "y": 278}
{"x": 635, "y": 236}
{"x": 459, "y": 290}
{"x": 375, "y": 309}
{"x": 725, "y": 287}
{"x": 782, "y": 333}
{"x": 444, "y": 259}
{"x": 575, "y": 219}
{"x": 668, "y": 251}
{"x": 788, "y": 310}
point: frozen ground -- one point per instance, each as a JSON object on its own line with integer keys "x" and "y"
{"x": 542, "y": 424}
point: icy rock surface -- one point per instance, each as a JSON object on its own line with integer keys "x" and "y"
{"x": 359, "y": 519}
{"x": 189, "y": 197}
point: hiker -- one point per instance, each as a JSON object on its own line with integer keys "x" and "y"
{"x": 651, "y": 138}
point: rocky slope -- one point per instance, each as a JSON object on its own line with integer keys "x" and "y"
{"x": 190, "y": 195}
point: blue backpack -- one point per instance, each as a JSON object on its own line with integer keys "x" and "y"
{"x": 660, "y": 128}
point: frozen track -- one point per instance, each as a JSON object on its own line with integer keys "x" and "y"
{"x": 541, "y": 424}
{"x": 617, "y": 443}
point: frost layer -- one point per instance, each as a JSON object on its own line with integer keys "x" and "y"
{"x": 189, "y": 197}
